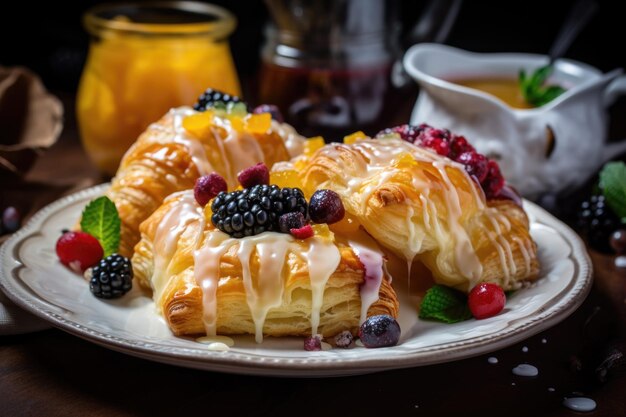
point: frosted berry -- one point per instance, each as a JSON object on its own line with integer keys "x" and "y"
{"x": 486, "y": 300}
{"x": 258, "y": 174}
{"x": 326, "y": 206}
{"x": 406, "y": 132}
{"x": 208, "y": 187}
{"x": 293, "y": 220}
{"x": 344, "y": 339}
{"x": 313, "y": 343}
{"x": 459, "y": 145}
{"x": 379, "y": 331}
{"x": 79, "y": 250}
{"x": 441, "y": 147}
{"x": 271, "y": 109}
{"x": 475, "y": 164}
{"x": 304, "y": 232}
{"x": 493, "y": 182}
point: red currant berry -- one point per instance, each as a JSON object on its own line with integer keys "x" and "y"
{"x": 475, "y": 164}
{"x": 459, "y": 145}
{"x": 79, "y": 250}
{"x": 494, "y": 181}
{"x": 304, "y": 232}
{"x": 209, "y": 186}
{"x": 486, "y": 300}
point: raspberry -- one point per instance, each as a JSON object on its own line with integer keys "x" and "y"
{"x": 475, "y": 164}
{"x": 326, "y": 206}
{"x": 494, "y": 181}
{"x": 293, "y": 220}
{"x": 271, "y": 109}
{"x": 112, "y": 277}
{"x": 78, "y": 250}
{"x": 257, "y": 174}
{"x": 304, "y": 232}
{"x": 208, "y": 186}
{"x": 486, "y": 300}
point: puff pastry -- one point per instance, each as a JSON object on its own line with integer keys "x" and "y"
{"x": 167, "y": 158}
{"x": 426, "y": 207}
{"x": 204, "y": 281}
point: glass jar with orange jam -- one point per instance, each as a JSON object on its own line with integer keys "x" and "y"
{"x": 144, "y": 59}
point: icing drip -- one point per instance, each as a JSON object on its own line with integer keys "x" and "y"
{"x": 183, "y": 212}
{"x": 371, "y": 257}
{"x": 266, "y": 293}
{"x": 323, "y": 259}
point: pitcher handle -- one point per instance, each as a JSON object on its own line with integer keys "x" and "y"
{"x": 614, "y": 90}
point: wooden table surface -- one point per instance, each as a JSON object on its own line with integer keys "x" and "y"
{"x": 52, "y": 373}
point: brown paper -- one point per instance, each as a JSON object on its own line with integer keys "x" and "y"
{"x": 31, "y": 119}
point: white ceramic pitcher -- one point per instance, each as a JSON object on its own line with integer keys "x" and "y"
{"x": 541, "y": 150}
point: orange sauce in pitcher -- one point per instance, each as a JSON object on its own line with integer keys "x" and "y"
{"x": 506, "y": 89}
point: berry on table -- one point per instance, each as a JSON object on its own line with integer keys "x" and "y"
{"x": 208, "y": 186}
{"x": 255, "y": 210}
{"x": 11, "y": 219}
{"x": 258, "y": 174}
{"x": 486, "y": 300}
{"x": 112, "y": 277}
{"x": 211, "y": 96}
{"x": 379, "y": 331}
{"x": 79, "y": 250}
{"x": 618, "y": 241}
{"x": 326, "y": 206}
{"x": 598, "y": 222}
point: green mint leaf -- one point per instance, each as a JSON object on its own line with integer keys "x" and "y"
{"x": 613, "y": 185}
{"x": 533, "y": 89}
{"x": 101, "y": 220}
{"x": 444, "y": 304}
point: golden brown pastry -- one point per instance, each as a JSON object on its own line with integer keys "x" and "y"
{"x": 426, "y": 207}
{"x": 173, "y": 152}
{"x": 204, "y": 281}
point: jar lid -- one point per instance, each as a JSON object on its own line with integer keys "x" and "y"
{"x": 167, "y": 18}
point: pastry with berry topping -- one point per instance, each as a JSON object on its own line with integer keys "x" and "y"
{"x": 429, "y": 196}
{"x": 252, "y": 261}
{"x": 218, "y": 136}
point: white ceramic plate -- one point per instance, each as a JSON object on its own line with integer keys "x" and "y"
{"x": 34, "y": 279}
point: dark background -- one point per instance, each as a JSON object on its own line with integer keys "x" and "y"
{"x": 48, "y": 36}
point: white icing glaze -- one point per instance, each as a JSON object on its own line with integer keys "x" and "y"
{"x": 266, "y": 293}
{"x": 237, "y": 151}
{"x": 371, "y": 257}
{"x": 207, "y": 340}
{"x": 182, "y": 213}
{"x": 377, "y": 169}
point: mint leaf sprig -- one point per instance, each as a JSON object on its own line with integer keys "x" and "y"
{"x": 533, "y": 89}
{"x": 613, "y": 186}
{"x": 445, "y": 304}
{"x": 101, "y": 220}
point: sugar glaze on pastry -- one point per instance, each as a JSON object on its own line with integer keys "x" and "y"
{"x": 425, "y": 206}
{"x": 168, "y": 158}
{"x": 205, "y": 281}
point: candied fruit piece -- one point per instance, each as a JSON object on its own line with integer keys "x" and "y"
{"x": 198, "y": 123}
{"x": 350, "y": 139}
{"x": 313, "y": 144}
{"x": 323, "y": 231}
{"x": 258, "y": 123}
{"x": 287, "y": 178}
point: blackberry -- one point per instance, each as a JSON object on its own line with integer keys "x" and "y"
{"x": 211, "y": 96}
{"x": 256, "y": 209}
{"x": 597, "y": 222}
{"x": 112, "y": 277}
